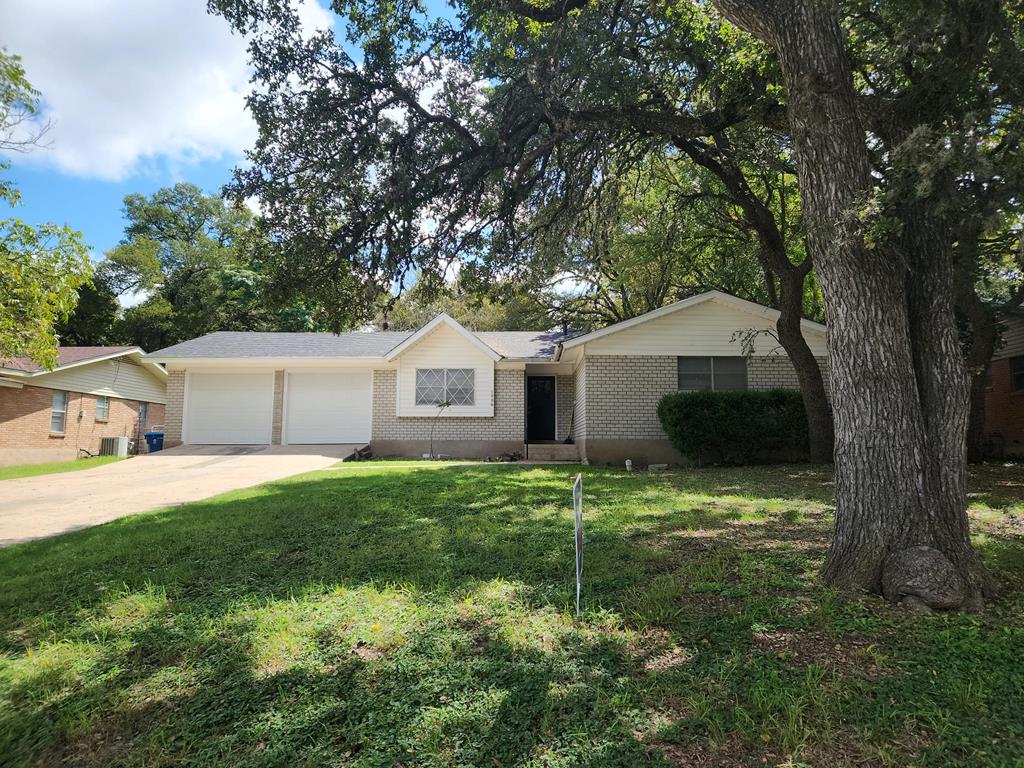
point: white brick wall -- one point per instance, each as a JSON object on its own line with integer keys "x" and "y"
{"x": 175, "y": 406}
{"x": 777, "y": 372}
{"x": 277, "y": 416}
{"x": 564, "y": 395}
{"x": 579, "y": 428}
{"x": 506, "y": 424}
{"x": 622, "y": 394}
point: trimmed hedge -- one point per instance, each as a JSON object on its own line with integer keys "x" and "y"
{"x": 736, "y": 427}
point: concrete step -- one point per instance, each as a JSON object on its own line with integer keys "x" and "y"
{"x": 552, "y": 452}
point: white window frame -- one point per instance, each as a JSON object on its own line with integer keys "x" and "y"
{"x": 106, "y": 408}
{"x": 62, "y": 411}
{"x": 445, "y": 372}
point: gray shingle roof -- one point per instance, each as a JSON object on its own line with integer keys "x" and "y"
{"x": 65, "y": 356}
{"x": 256, "y": 344}
{"x": 539, "y": 345}
{"x": 522, "y": 344}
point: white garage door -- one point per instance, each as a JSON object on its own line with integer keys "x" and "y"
{"x": 229, "y": 408}
{"x": 328, "y": 407}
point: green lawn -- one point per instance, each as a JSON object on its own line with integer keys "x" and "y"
{"x": 419, "y": 615}
{"x": 50, "y": 468}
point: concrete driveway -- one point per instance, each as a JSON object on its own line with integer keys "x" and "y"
{"x": 45, "y": 505}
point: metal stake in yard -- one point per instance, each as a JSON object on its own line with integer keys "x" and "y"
{"x": 577, "y": 505}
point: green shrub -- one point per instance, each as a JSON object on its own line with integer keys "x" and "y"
{"x": 736, "y": 427}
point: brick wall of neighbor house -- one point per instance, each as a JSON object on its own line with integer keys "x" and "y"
{"x": 565, "y": 394}
{"x": 25, "y": 435}
{"x": 464, "y": 436}
{"x": 777, "y": 372}
{"x": 1004, "y": 411}
{"x": 175, "y": 408}
{"x": 278, "y": 416}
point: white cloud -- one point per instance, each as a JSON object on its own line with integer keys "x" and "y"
{"x": 130, "y": 82}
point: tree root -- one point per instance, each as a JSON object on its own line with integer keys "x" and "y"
{"x": 926, "y": 576}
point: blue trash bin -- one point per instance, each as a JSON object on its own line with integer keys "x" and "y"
{"x": 154, "y": 441}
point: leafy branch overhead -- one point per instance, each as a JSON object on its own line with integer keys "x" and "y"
{"x": 428, "y": 145}
{"x": 42, "y": 268}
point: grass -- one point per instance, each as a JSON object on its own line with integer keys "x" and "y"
{"x": 53, "y": 467}
{"x": 419, "y": 614}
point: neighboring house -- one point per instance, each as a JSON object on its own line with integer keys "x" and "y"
{"x": 508, "y": 392}
{"x": 1004, "y": 398}
{"x": 93, "y": 392}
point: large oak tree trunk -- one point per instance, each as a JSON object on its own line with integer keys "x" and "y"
{"x": 899, "y": 389}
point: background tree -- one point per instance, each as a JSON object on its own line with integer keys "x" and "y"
{"x": 43, "y": 267}
{"x": 186, "y": 260}
{"x": 498, "y": 308}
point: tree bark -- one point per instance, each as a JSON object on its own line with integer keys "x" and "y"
{"x": 820, "y": 430}
{"x": 899, "y": 389}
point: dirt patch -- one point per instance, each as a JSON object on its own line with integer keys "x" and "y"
{"x": 366, "y": 652}
{"x": 807, "y": 647}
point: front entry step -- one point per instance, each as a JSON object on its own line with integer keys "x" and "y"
{"x": 552, "y": 452}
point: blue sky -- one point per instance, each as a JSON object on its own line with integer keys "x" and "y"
{"x": 93, "y": 206}
{"x": 140, "y": 93}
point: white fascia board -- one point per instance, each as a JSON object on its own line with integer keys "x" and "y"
{"x": 451, "y": 322}
{"x": 271, "y": 362}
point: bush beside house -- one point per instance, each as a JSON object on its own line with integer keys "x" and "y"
{"x": 736, "y": 427}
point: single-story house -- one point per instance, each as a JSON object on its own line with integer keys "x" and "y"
{"x": 1004, "y": 395}
{"x": 506, "y": 392}
{"x": 92, "y": 393}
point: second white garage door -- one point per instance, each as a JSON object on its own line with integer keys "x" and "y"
{"x": 328, "y": 407}
{"x": 229, "y": 408}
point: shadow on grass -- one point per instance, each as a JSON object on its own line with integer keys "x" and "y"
{"x": 418, "y": 616}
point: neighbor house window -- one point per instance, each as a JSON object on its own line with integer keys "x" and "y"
{"x": 1017, "y": 373}
{"x": 143, "y": 415}
{"x": 102, "y": 408}
{"x": 454, "y": 386}
{"x": 717, "y": 373}
{"x": 58, "y": 411}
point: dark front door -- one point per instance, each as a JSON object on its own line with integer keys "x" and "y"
{"x": 540, "y": 408}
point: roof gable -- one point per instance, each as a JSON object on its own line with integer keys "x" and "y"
{"x": 426, "y": 330}
{"x": 741, "y": 305}
{"x": 73, "y": 357}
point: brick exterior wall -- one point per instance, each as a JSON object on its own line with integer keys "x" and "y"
{"x": 622, "y": 393}
{"x": 175, "y": 408}
{"x": 1004, "y": 411}
{"x": 565, "y": 395}
{"x": 579, "y": 427}
{"x": 25, "y": 422}
{"x": 278, "y": 416}
{"x": 777, "y": 372}
{"x": 506, "y": 424}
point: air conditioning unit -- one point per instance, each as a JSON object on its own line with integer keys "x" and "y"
{"x": 114, "y": 446}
